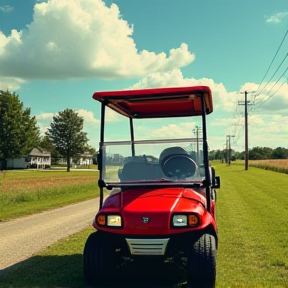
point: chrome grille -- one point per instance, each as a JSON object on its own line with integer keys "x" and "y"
{"x": 147, "y": 246}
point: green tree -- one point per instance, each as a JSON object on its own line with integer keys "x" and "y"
{"x": 260, "y": 153}
{"x": 280, "y": 153}
{"x": 66, "y": 134}
{"x": 19, "y": 132}
{"x": 48, "y": 145}
{"x": 91, "y": 150}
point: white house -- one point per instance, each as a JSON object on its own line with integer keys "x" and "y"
{"x": 83, "y": 159}
{"x": 37, "y": 158}
{"x": 40, "y": 158}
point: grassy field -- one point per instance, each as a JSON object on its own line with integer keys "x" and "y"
{"x": 252, "y": 215}
{"x": 277, "y": 165}
{"x": 24, "y": 192}
{"x": 252, "y": 221}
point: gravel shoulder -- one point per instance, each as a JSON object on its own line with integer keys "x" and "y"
{"x": 23, "y": 237}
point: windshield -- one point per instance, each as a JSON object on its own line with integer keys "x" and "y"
{"x": 153, "y": 161}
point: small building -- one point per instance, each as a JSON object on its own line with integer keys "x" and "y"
{"x": 85, "y": 159}
{"x": 37, "y": 158}
{"x": 18, "y": 163}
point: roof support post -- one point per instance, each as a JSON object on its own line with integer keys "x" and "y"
{"x": 205, "y": 154}
{"x": 132, "y": 136}
{"x": 101, "y": 155}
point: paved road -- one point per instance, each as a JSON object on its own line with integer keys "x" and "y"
{"x": 21, "y": 238}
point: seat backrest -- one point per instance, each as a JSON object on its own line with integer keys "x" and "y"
{"x": 168, "y": 152}
{"x": 138, "y": 170}
{"x": 176, "y": 163}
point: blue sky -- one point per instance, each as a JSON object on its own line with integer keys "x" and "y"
{"x": 55, "y": 54}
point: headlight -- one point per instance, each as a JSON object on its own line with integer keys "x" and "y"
{"x": 109, "y": 220}
{"x": 179, "y": 220}
{"x": 185, "y": 220}
{"x": 114, "y": 220}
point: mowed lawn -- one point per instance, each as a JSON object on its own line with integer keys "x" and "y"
{"x": 24, "y": 192}
{"x": 252, "y": 215}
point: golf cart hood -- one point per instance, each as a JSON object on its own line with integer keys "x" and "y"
{"x": 158, "y": 205}
{"x": 165, "y": 199}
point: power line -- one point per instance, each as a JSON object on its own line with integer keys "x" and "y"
{"x": 277, "y": 81}
{"x": 273, "y": 75}
{"x": 272, "y": 60}
{"x": 261, "y": 103}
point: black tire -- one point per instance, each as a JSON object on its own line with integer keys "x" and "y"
{"x": 201, "y": 266}
{"x": 98, "y": 260}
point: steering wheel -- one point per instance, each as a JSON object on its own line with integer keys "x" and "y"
{"x": 179, "y": 166}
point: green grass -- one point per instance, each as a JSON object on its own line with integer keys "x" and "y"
{"x": 26, "y": 192}
{"x": 252, "y": 221}
{"x": 26, "y": 204}
{"x": 252, "y": 215}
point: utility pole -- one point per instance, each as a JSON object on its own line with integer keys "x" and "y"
{"x": 226, "y": 150}
{"x": 246, "y": 103}
{"x": 228, "y": 143}
{"x": 196, "y": 131}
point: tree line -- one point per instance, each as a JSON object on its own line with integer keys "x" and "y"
{"x": 19, "y": 132}
{"x": 255, "y": 153}
{"x": 65, "y": 138}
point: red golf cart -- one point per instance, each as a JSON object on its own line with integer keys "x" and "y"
{"x": 158, "y": 186}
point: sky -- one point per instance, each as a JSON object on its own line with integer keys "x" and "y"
{"x": 55, "y": 54}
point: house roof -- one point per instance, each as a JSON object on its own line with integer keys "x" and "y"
{"x": 86, "y": 155}
{"x": 39, "y": 152}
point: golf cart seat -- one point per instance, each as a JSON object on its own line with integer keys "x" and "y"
{"x": 177, "y": 163}
{"x": 137, "y": 168}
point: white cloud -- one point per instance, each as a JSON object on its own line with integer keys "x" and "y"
{"x": 45, "y": 116}
{"x": 256, "y": 121}
{"x": 81, "y": 39}
{"x": 277, "y": 18}
{"x": 221, "y": 98}
{"x": 43, "y": 121}
{"x": 6, "y": 8}
{"x": 112, "y": 116}
{"x": 174, "y": 131}
{"x": 268, "y": 131}
{"x": 10, "y": 83}
{"x": 88, "y": 116}
{"x": 273, "y": 97}
{"x": 224, "y": 122}
{"x": 169, "y": 131}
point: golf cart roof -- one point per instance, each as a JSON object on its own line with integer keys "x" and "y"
{"x": 158, "y": 102}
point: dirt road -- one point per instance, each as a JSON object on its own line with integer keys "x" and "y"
{"x": 21, "y": 238}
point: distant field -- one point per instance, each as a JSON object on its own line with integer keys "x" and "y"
{"x": 252, "y": 218}
{"x": 278, "y": 165}
{"x": 25, "y": 192}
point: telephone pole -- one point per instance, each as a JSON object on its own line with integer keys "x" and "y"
{"x": 228, "y": 143}
{"x": 196, "y": 131}
{"x": 246, "y": 103}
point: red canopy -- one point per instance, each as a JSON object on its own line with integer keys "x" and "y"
{"x": 158, "y": 102}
